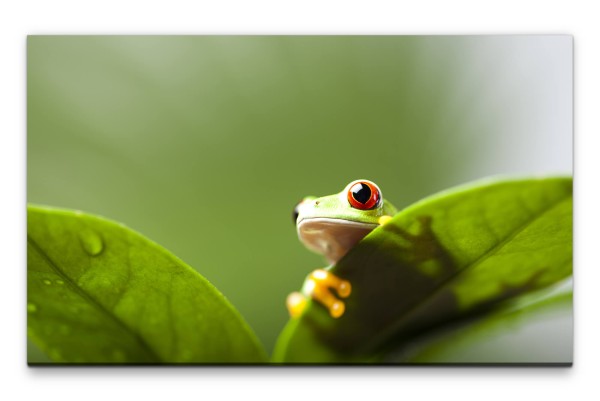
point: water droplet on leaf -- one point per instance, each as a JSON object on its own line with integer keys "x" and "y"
{"x": 31, "y": 307}
{"x": 91, "y": 242}
{"x": 47, "y": 282}
{"x": 60, "y": 282}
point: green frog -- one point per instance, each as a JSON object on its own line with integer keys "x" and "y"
{"x": 331, "y": 226}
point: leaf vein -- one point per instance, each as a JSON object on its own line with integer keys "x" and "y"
{"x": 90, "y": 299}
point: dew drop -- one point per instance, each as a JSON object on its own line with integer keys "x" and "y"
{"x": 31, "y": 307}
{"x": 59, "y": 282}
{"x": 47, "y": 282}
{"x": 91, "y": 242}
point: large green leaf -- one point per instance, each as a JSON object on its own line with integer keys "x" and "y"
{"x": 99, "y": 292}
{"x": 520, "y": 332}
{"x": 447, "y": 257}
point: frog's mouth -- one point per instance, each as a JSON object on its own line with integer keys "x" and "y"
{"x": 332, "y": 237}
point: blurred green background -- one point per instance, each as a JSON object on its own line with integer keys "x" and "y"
{"x": 205, "y": 143}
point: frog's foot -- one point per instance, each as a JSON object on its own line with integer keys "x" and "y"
{"x": 295, "y": 302}
{"x": 319, "y": 285}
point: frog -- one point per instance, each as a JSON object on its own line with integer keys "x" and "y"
{"x": 331, "y": 226}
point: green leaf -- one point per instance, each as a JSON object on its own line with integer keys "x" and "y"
{"x": 99, "y": 292}
{"x": 516, "y": 333}
{"x": 450, "y": 256}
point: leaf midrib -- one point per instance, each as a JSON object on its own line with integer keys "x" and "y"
{"x": 81, "y": 292}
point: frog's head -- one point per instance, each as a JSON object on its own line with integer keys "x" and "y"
{"x": 331, "y": 225}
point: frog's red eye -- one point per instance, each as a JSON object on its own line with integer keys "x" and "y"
{"x": 364, "y": 195}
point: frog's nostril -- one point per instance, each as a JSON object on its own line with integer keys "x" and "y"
{"x": 317, "y": 203}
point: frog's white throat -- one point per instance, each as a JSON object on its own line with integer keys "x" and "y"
{"x": 332, "y": 238}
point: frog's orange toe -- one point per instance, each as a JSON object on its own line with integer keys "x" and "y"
{"x": 343, "y": 289}
{"x": 295, "y": 302}
{"x": 337, "y": 309}
{"x": 319, "y": 286}
{"x": 324, "y": 278}
{"x": 321, "y": 283}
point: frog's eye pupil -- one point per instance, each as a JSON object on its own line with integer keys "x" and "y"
{"x": 361, "y": 193}
{"x": 364, "y": 195}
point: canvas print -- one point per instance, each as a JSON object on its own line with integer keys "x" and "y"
{"x": 299, "y": 200}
